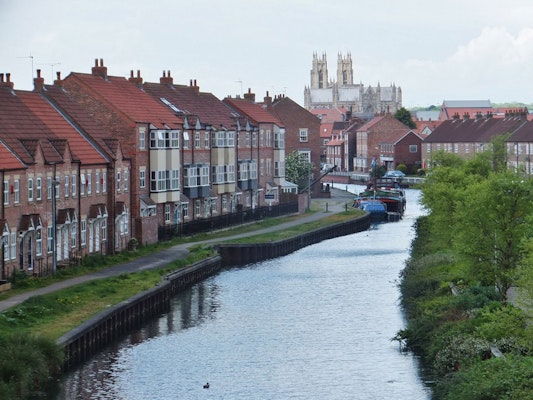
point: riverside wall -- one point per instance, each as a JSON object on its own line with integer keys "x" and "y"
{"x": 108, "y": 326}
{"x": 112, "y": 324}
{"x": 241, "y": 254}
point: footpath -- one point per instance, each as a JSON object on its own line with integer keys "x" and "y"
{"x": 335, "y": 204}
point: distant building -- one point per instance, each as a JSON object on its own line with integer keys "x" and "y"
{"x": 342, "y": 92}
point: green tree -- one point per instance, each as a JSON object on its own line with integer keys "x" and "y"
{"x": 404, "y": 116}
{"x": 491, "y": 222}
{"x": 297, "y": 169}
{"x": 499, "y": 152}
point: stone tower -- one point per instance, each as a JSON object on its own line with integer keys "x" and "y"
{"x": 344, "y": 70}
{"x": 319, "y": 73}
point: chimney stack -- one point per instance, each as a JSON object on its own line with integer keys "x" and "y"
{"x": 194, "y": 86}
{"x": 166, "y": 79}
{"x": 58, "y": 81}
{"x": 99, "y": 70}
{"x": 249, "y": 96}
{"x": 38, "y": 83}
{"x": 7, "y": 82}
{"x": 268, "y": 100}
{"x": 136, "y": 80}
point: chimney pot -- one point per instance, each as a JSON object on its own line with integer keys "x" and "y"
{"x": 8, "y": 77}
{"x": 164, "y": 74}
{"x": 138, "y": 73}
{"x": 101, "y": 62}
{"x": 38, "y": 73}
{"x": 58, "y": 74}
{"x": 96, "y": 62}
{"x": 131, "y": 73}
{"x": 1, "y": 78}
{"x": 168, "y": 73}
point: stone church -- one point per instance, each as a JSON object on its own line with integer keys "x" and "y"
{"x": 342, "y": 92}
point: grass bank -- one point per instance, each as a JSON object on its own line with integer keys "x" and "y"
{"x": 472, "y": 344}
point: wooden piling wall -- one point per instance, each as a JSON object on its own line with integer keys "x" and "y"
{"x": 115, "y": 322}
{"x": 241, "y": 254}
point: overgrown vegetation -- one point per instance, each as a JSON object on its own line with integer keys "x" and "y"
{"x": 471, "y": 255}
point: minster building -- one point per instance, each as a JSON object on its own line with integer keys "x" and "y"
{"x": 342, "y": 92}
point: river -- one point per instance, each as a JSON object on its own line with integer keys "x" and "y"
{"x": 316, "y": 324}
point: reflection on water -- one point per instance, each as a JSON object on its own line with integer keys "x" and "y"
{"x": 315, "y": 324}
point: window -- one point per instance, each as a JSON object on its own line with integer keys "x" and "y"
{"x": 204, "y": 175}
{"x": 16, "y": 190}
{"x": 30, "y": 189}
{"x": 49, "y": 239}
{"x": 279, "y": 140}
{"x": 303, "y": 135}
{"x": 73, "y": 235}
{"x": 174, "y": 179}
{"x": 224, "y": 203}
{"x": 104, "y": 230}
{"x": 125, "y": 180}
{"x": 83, "y": 185}
{"x": 185, "y": 208}
{"x": 185, "y": 140}
{"x": 89, "y": 184}
{"x": 13, "y": 245}
{"x": 56, "y": 186}
{"x": 142, "y": 139}
{"x": 49, "y": 187}
{"x": 67, "y": 186}
{"x": 413, "y": 148}
{"x": 119, "y": 181}
{"x": 39, "y": 242}
{"x": 6, "y": 192}
{"x": 97, "y": 182}
{"x": 74, "y": 186}
{"x": 39, "y": 189}
{"x": 5, "y": 237}
{"x": 104, "y": 182}
{"x": 142, "y": 178}
{"x": 83, "y": 237}
{"x": 167, "y": 213}
{"x": 197, "y": 140}
{"x": 206, "y": 140}
{"x": 197, "y": 207}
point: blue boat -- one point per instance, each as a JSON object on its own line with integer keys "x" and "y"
{"x": 376, "y": 208}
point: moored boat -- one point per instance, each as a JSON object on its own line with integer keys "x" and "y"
{"x": 386, "y": 191}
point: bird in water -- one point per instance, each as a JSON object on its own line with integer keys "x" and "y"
{"x": 206, "y": 386}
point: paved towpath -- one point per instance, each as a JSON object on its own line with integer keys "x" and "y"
{"x": 159, "y": 259}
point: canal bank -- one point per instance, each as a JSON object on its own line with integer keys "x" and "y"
{"x": 111, "y": 324}
{"x": 316, "y": 323}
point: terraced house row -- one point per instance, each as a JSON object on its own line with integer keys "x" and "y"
{"x": 92, "y": 161}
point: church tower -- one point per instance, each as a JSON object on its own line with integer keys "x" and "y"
{"x": 344, "y": 70}
{"x": 319, "y": 73}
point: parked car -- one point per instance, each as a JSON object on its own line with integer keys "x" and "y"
{"x": 394, "y": 174}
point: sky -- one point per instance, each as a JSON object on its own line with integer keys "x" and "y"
{"x": 433, "y": 50}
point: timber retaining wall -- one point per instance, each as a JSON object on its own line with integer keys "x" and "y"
{"x": 241, "y": 254}
{"x": 111, "y": 324}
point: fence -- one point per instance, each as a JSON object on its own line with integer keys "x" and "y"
{"x": 168, "y": 232}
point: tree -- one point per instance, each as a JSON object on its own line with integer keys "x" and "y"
{"x": 491, "y": 224}
{"x": 298, "y": 169}
{"x": 404, "y": 116}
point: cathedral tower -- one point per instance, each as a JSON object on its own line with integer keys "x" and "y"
{"x": 319, "y": 73}
{"x": 344, "y": 70}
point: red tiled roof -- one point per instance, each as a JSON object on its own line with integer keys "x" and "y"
{"x": 81, "y": 117}
{"x": 329, "y": 115}
{"x": 326, "y": 130}
{"x": 20, "y": 129}
{"x": 63, "y": 132}
{"x": 125, "y": 97}
{"x": 189, "y": 100}
{"x": 255, "y": 112}
{"x": 9, "y": 160}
